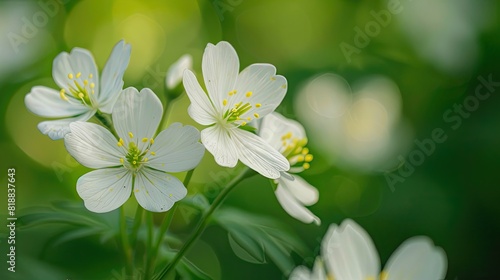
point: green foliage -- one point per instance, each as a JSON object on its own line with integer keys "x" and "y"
{"x": 258, "y": 239}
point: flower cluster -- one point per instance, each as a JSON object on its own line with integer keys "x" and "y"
{"x": 128, "y": 155}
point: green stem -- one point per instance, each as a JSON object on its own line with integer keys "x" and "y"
{"x": 137, "y": 224}
{"x": 202, "y": 224}
{"x": 104, "y": 120}
{"x": 125, "y": 243}
{"x": 167, "y": 220}
{"x": 165, "y": 116}
{"x": 149, "y": 249}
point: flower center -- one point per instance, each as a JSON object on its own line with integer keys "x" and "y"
{"x": 235, "y": 114}
{"x": 134, "y": 157}
{"x": 80, "y": 89}
{"x": 296, "y": 152}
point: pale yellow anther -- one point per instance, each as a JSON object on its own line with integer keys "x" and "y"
{"x": 93, "y": 91}
{"x": 134, "y": 162}
{"x": 152, "y": 141}
{"x": 170, "y": 195}
{"x": 153, "y": 153}
{"x": 80, "y": 95}
{"x": 224, "y": 102}
{"x": 70, "y": 76}
{"x": 249, "y": 119}
{"x": 78, "y": 75}
{"x": 256, "y": 115}
{"x": 284, "y": 143}
{"x": 233, "y": 92}
{"x": 120, "y": 143}
{"x": 122, "y": 161}
{"x": 283, "y": 86}
{"x": 62, "y": 95}
{"x": 237, "y": 105}
{"x": 91, "y": 76}
{"x": 308, "y": 158}
{"x": 243, "y": 123}
{"x": 306, "y": 165}
{"x": 286, "y": 136}
{"x": 248, "y": 94}
{"x": 85, "y": 82}
{"x": 305, "y": 151}
{"x": 146, "y": 159}
{"x": 144, "y": 140}
{"x": 136, "y": 190}
{"x": 273, "y": 78}
{"x": 234, "y": 110}
{"x": 92, "y": 85}
{"x": 258, "y": 105}
{"x": 300, "y": 158}
{"x": 131, "y": 135}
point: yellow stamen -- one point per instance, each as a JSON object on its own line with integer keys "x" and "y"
{"x": 258, "y": 105}
{"x": 153, "y": 153}
{"x": 93, "y": 91}
{"x": 144, "y": 140}
{"x": 243, "y": 123}
{"x": 80, "y": 95}
{"x": 306, "y": 166}
{"x": 92, "y": 85}
{"x": 70, "y": 76}
{"x": 145, "y": 159}
{"x": 248, "y": 94}
{"x": 224, "y": 102}
{"x": 273, "y": 78}
{"x": 134, "y": 162}
{"x": 256, "y": 115}
{"x": 85, "y": 82}
{"x": 309, "y": 158}
{"x": 120, "y": 143}
{"x": 305, "y": 151}
{"x": 233, "y": 92}
{"x": 62, "y": 95}
{"x": 283, "y": 86}
{"x": 121, "y": 160}
{"x": 78, "y": 74}
{"x": 152, "y": 141}
{"x": 90, "y": 76}
{"x": 131, "y": 135}
{"x": 249, "y": 119}
{"x": 300, "y": 158}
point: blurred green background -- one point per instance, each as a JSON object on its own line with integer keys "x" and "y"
{"x": 434, "y": 51}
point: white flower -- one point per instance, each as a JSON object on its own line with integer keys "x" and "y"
{"x": 135, "y": 160}
{"x": 289, "y": 138}
{"x": 176, "y": 70}
{"x": 350, "y": 254}
{"x": 303, "y": 273}
{"x": 81, "y": 92}
{"x": 233, "y": 101}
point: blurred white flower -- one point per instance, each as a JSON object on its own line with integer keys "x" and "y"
{"x": 303, "y": 273}
{"x": 136, "y": 160}
{"x": 360, "y": 130}
{"x": 289, "y": 138}
{"x": 349, "y": 254}
{"x": 448, "y": 37}
{"x": 82, "y": 93}
{"x": 233, "y": 101}
{"x": 176, "y": 70}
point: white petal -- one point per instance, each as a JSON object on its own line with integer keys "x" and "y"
{"x": 258, "y": 155}
{"x": 112, "y": 76}
{"x": 157, "y": 191}
{"x": 319, "y": 270}
{"x": 268, "y": 89}
{"x": 301, "y": 273}
{"x": 92, "y": 145}
{"x": 105, "y": 190}
{"x": 78, "y": 61}
{"x": 220, "y": 67}
{"x": 274, "y": 126}
{"x": 56, "y": 129}
{"x": 201, "y": 109}
{"x": 349, "y": 252}
{"x": 139, "y": 113}
{"x": 417, "y": 259}
{"x": 176, "y": 70}
{"x": 176, "y": 149}
{"x": 292, "y": 205}
{"x": 300, "y": 189}
{"x": 46, "y": 102}
{"x": 217, "y": 141}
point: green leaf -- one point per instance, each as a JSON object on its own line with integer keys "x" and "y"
{"x": 257, "y": 239}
